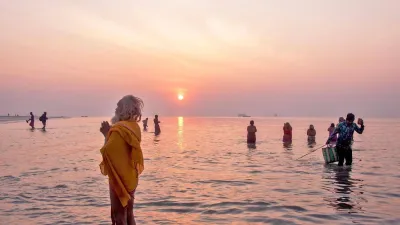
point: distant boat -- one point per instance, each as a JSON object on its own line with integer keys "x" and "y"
{"x": 275, "y": 115}
{"x": 242, "y": 115}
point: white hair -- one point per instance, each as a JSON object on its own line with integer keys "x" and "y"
{"x": 129, "y": 108}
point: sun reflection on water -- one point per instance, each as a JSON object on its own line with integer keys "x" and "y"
{"x": 180, "y": 132}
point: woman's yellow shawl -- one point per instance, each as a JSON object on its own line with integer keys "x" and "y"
{"x": 123, "y": 158}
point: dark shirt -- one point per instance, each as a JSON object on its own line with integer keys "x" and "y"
{"x": 346, "y": 132}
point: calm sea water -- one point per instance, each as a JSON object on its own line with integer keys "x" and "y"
{"x": 201, "y": 171}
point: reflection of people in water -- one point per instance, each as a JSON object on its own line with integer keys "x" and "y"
{"x": 43, "y": 119}
{"x": 32, "y": 119}
{"x": 251, "y": 146}
{"x": 251, "y": 133}
{"x": 287, "y": 145}
{"x": 287, "y": 132}
{"x": 157, "y": 129}
{"x": 311, "y": 133}
{"x": 343, "y": 186}
{"x": 145, "y": 124}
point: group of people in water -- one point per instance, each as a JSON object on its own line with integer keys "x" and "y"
{"x": 157, "y": 129}
{"x": 340, "y": 136}
{"x": 122, "y": 156}
{"x": 43, "y": 118}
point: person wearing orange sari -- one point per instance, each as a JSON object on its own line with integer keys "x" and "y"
{"x": 123, "y": 158}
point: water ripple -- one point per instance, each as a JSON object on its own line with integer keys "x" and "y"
{"x": 200, "y": 171}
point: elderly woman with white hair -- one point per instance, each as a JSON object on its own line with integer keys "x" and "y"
{"x": 123, "y": 158}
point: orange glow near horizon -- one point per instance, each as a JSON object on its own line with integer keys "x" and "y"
{"x": 165, "y": 50}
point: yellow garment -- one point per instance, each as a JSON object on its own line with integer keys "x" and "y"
{"x": 123, "y": 158}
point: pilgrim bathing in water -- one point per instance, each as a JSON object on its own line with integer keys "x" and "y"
{"x": 157, "y": 129}
{"x": 123, "y": 158}
{"x": 311, "y": 133}
{"x": 145, "y": 124}
{"x": 251, "y": 133}
{"x": 287, "y": 132}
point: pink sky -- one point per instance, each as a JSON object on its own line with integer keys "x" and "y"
{"x": 294, "y": 58}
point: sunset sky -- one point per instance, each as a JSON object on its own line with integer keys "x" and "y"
{"x": 260, "y": 57}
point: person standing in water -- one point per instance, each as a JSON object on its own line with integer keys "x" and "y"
{"x": 32, "y": 119}
{"x": 251, "y": 133}
{"x": 343, "y": 144}
{"x": 311, "y": 133}
{"x": 287, "y": 132}
{"x": 43, "y": 119}
{"x": 331, "y": 129}
{"x": 157, "y": 129}
{"x": 145, "y": 124}
{"x": 123, "y": 158}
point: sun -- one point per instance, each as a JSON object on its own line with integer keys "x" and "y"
{"x": 180, "y": 97}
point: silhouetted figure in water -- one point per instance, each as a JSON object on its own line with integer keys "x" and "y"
{"x": 287, "y": 132}
{"x": 251, "y": 133}
{"x": 157, "y": 129}
{"x": 145, "y": 124}
{"x": 311, "y": 133}
{"x": 32, "y": 119}
{"x": 43, "y": 119}
{"x": 9, "y": 114}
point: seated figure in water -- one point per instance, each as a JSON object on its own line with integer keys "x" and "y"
{"x": 287, "y": 132}
{"x": 311, "y": 132}
{"x": 251, "y": 133}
